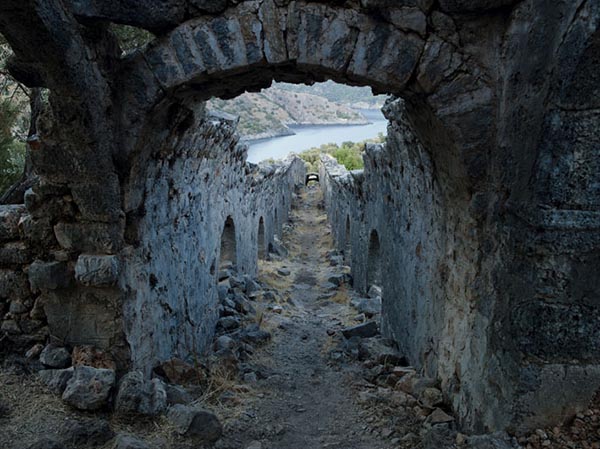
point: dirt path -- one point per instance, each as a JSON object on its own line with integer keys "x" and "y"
{"x": 305, "y": 402}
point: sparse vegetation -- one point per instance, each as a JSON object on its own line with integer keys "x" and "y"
{"x": 349, "y": 154}
{"x": 14, "y": 122}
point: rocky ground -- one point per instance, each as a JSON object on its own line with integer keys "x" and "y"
{"x": 298, "y": 363}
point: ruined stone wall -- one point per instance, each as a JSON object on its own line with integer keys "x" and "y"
{"x": 501, "y": 347}
{"x": 157, "y": 297}
{"x": 22, "y": 319}
{"x": 171, "y": 272}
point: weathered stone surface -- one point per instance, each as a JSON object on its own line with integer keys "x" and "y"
{"x": 14, "y": 253}
{"x": 90, "y": 237}
{"x": 177, "y": 395}
{"x": 89, "y": 388}
{"x": 55, "y": 356}
{"x": 85, "y": 317}
{"x": 93, "y": 432}
{"x": 44, "y": 276}
{"x": 365, "y": 330}
{"x": 56, "y": 379}
{"x": 9, "y": 221}
{"x": 195, "y": 423}
{"x": 430, "y": 397}
{"x": 97, "y": 271}
{"x": 140, "y": 396}
{"x": 13, "y": 284}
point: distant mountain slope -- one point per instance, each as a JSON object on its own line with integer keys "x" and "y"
{"x": 268, "y": 113}
{"x": 361, "y": 97}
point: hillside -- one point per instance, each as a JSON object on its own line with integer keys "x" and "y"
{"x": 270, "y": 112}
{"x": 356, "y": 97}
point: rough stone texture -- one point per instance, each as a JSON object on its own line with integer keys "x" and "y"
{"x": 89, "y": 388}
{"x": 189, "y": 193}
{"x": 55, "y": 356}
{"x": 485, "y": 201}
{"x": 97, "y": 271}
{"x": 195, "y": 423}
{"x": 140, "y": 396}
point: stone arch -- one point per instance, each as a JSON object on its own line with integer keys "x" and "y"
{"x": 374, "y": 260}
{"x": 228, "y": 251}
{"x": 479, "y": 117}
{"x": 261, "y": 240}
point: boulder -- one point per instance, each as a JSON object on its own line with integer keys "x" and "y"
{"x": 141, "y": 396}
{"x": 438, "y": 416}
{"x": 228, "y": 323}
{"x": 196, "y": 423}
{"x": 368, "y": 306}
{"x": 224, "y": 342}
{"x": 381, "y": 351}
{"x": 56, "y": 379}
{"x": 430, "y": 397}
{"x": 55, "y": 356}
{"x": 34, "y": 351}
{"x": 254, "y": 335}
{"x": 89, "y": 388}
{"x": 251, "y": 286}
{"x": 364, "y": 330}
{"x": 336, "y": 279}
{"x": 374, "y": 292}
{"x": 177, "y": 395}
{"x": 283, "y": 271}
{"x": 85, "y": 433}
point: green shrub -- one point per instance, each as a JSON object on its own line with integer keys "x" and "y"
{"x": 348, "y": 154}
{"x": 12, "y": 151}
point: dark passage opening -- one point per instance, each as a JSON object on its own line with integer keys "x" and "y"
{"x": 228, "y": 244}
{"x": 262, "y": 253}
{"x": 348, "y": 242}
{"x": 374, "y": 261}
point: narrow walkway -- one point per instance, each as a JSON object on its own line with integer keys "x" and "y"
{"x": 305, "y": 402}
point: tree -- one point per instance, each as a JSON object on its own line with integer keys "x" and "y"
{"x": 17, "y": 105}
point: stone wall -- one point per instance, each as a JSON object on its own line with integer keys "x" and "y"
{"x": 22, "y": 317}
{"x": 156, "y": 296}
{"x": 171, "y": 271}
{"x": 501, "y": 347}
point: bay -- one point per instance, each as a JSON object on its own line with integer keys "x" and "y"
{"x": 308, "y": 137}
